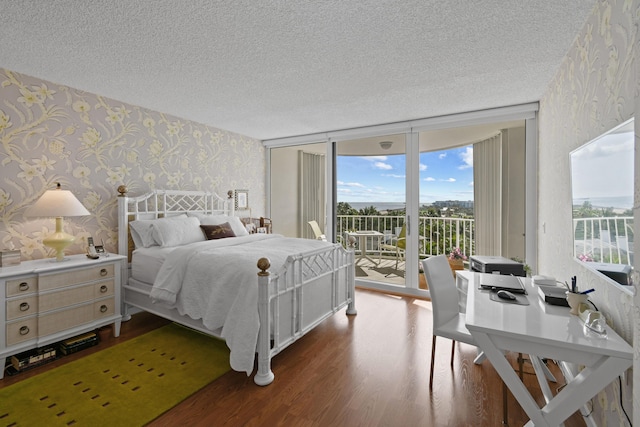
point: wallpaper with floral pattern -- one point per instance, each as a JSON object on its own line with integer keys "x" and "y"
{"x": 594, "y": 90}
{"x": 91, "y": 145}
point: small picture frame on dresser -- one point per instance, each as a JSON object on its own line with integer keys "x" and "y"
{"x": 9, "y": 258}
{"x": 261, "y": 230}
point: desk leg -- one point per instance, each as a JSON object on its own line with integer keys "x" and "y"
{"x": 542, "y": 377}
{"x": 511, "y": 379}
{"x": 584, "y": 386}
{"x": 505, "y": 408}
{"x": 480, "y": 357}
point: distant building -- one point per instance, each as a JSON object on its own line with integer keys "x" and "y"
{"x": 467, "y": 204}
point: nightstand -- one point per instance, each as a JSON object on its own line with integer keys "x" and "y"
{"x": 43, "y": 301}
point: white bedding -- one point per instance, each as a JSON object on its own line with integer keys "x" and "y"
{"x": 146, "y": 262}
{"x": 216, "y": 281}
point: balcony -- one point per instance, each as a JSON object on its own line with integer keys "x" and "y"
{"x": 438, "y": 235}
{"x": 604, "y": 239}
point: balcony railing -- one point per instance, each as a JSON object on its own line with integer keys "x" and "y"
{"x": 604, "y": 239}
{"x": 437, "y": 235}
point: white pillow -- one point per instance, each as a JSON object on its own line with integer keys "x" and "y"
{"x": 176, "y": 232}
{"x": 142, "y": 231}
{"x": 236, "y": 225}
{"x": 209, "y": 217}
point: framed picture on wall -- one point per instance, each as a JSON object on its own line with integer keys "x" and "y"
{"x": 242, "y": 200}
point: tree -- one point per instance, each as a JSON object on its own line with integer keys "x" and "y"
{"x": 370, "y": 211}
{"x": 345, "y": 208}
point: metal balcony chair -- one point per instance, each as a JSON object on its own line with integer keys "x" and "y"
{"x": 397, "y": 245}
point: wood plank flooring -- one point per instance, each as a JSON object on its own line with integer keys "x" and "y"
{"x": 366, "y": 370}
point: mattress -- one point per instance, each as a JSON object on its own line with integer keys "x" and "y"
{"x": 146, "y": 262}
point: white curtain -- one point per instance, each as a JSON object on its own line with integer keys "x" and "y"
{"x": 312, "y": 191}
{"x": 487, "y": 184}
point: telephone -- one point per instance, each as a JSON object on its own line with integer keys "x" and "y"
{"x": 91, "y": 250}
{"x": 94, "y": 251}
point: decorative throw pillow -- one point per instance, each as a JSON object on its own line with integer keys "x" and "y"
{"x": 219, "y": 231}
{"x": 236, "y": 225}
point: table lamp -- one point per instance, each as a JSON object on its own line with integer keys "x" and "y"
{"x": 58, "y": 203}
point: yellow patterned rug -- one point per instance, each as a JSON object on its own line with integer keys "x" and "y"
{"x": 128, "y": 384}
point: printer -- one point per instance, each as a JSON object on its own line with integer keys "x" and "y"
{"x": 621, "y": 273}
{"x": 496, "y": 265}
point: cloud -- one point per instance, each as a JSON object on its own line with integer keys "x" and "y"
{"x": 393, "y": 175}
{"x": 467, "y": 158}
{"x": 375, "y": 158}
{"x": 442, "y": 156}
{"x": 423, "y": 167}
{"x": 430, "y": 179}
{"x": 351, "y": 184}
{"x": 381, "y": 165}
{"x": 449, "y": 180}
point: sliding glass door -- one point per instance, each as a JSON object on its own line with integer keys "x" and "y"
{"x": 371, "y": 206}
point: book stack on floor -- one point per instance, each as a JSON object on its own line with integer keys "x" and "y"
{"x": 32, "y": 358}
{"x": 78, "y": 343}
{"x": 39, "y": 356}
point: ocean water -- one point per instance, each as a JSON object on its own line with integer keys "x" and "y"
{"x": 380, "y": 206}
{"x": 622, "y": 202}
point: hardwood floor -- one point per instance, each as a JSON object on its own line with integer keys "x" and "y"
{"x": 371, "y": 369}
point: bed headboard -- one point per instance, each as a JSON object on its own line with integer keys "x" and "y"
{"x": 164, "y": 203}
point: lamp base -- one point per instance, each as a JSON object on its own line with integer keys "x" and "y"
{"x": 55, "y": 260}
{"x": 59, "y": 240}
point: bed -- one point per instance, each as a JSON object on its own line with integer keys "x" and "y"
{"x": 258, "y": 292}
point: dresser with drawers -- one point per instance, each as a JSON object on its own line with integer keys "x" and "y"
{"x": 44, "y": 301}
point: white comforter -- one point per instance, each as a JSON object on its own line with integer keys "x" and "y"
{"x": 216, "y": 281}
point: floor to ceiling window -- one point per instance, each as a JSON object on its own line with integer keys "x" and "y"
{"x": 420, "y": 176}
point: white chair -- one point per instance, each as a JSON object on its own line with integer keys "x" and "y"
{"x": 448, "y": 322}
{"x": 316, "y": 231}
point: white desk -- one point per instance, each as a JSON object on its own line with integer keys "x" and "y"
{"x": 363, "y": 236}
{"x": 545, "y": 331}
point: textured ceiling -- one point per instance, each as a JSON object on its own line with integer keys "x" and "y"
{"x": 277, "y": 68}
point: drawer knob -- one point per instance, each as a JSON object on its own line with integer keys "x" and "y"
{"x": 24, "y": 286}
{"x": 24, "y": 306}
{"x": 103, "y": 308}
{"x": 24, "y": 330}
{"x": 103, "y": 272}
{"x": 104, "y": 288}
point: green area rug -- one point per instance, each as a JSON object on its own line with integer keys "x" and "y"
{"x": 128, "y": 384}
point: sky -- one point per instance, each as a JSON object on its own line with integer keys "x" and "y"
{"x": 603, "y": 168}
{"x": 444, "y": 175}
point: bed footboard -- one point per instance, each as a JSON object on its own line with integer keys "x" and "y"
{"x": 308, "y": 289}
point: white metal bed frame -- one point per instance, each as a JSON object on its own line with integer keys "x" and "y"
{"x": 284, "y": 303}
